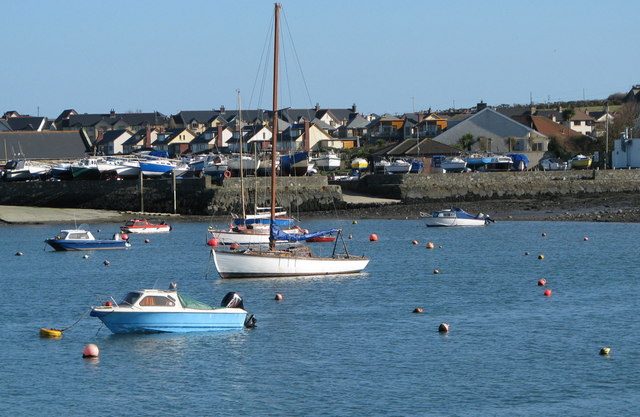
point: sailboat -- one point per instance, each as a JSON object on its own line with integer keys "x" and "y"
{"x": 294, "y": 260}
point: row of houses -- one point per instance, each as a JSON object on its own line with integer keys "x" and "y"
{"x": 501, "y": 129}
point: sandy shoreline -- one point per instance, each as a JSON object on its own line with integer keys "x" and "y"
{"x": 610, "y": 207}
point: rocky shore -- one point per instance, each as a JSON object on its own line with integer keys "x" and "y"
{"x": 603, "y": 207}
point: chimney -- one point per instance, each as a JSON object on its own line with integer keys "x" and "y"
{"x": 112, "y": 114}
{"x": 354, "y": 109}
{"x": 481, "y": 106}
{"x": 317, "y": 107}
{"x": 305, "y": 138}
{"x": 222, "y": 110}
{"x": 147, "y": 137}
{"x": 219, "y": 143}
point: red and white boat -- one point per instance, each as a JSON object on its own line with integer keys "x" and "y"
{"x": 144, "y": 226}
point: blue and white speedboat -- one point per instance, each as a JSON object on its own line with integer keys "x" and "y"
{"x": 80, "y": 239}
{"x": 455, "y": 217}
{"x": 167, "y": 311}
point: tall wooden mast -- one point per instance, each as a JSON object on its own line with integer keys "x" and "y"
{"x": 274, "y": 135}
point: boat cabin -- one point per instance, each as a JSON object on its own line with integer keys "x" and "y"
{"x": 75, "y": 235}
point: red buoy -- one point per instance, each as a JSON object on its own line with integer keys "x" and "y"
{"x": 212, "y": 242}
{"x": 547, "y": 293}
{"x": 90, "y": 351}
{"x": 443, "y": 328}
{"x": 125, "y": 236}
{"x": 373, "y": 237}
{"x": 542, "y": 282}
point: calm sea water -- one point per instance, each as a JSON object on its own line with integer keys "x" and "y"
{"x": 343, "y": 346}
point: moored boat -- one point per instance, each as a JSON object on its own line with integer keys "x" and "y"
{"x": 81, "y": 239}
{"x": 25, "y": 169}
{"x": 455, "y": 217}
{"x": 167, "y": 311}
{"x": 144, "y": 226}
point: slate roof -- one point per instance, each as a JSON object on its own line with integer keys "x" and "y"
{"x": 26, "y": 123}
{"x": 132, "y": 119}
{"x": 111, "y": 135}
{"x": 44, "y": 145}
{"x": 425, "y": 147}
{"x": 487, "y": 123}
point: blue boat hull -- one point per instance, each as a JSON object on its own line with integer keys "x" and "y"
{"x": 62, "y": 245}
{"x": 169, "y": 322}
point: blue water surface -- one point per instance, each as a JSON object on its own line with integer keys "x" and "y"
{"x": 337, "y": 346}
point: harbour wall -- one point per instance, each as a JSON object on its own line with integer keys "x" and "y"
{"x": 205, "y": 196}
{"x": 471, "y": 186}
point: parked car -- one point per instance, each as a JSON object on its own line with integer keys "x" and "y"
{"x": 553, "y": 164}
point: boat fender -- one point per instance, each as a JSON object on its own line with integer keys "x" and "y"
{"x": 250, "y": 322}
{"x": 108, "y": 304}
{"x": 232, "y": 300}
{"x": 227, "y": 174}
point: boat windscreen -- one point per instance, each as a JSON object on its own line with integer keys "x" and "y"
{"x": 130, "y": 298}
{"x": 191, "y": 303}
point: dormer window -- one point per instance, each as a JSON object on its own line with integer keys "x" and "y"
{"x": 194, "y": 125}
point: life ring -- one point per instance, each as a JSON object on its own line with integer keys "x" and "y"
{"x": 227, "y": 174}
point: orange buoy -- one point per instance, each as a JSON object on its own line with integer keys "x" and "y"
{"x": 373, "y": 237}
{"x": 443, "y": 328}
{"x": 227, "y": 174}
{"x": 234, "y": 246}
{"x": 90, "y": 351}
{"x": 418, "y": 310}
{"x": 547, "y": 293}
{"x": 542, "y": 282}
{"x": 212, "y": 242}
{"x": 278, "y": 297}
{"x": 108, "y": 304}
{"x": 430, "y": 245}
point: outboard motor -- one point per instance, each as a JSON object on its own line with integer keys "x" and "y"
{"x": 250, "y": 322}
{"x": 232, "y": 300}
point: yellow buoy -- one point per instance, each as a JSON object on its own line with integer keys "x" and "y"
{"x": 430, "y": 245}
{"x": 50, "y": 333}
{"x": 355, "y": 222}
{"x": 540, "y": 256}
{"x": 605, "y": 351}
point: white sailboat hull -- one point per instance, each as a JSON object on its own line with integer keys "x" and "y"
{"x": 270, "y": 264}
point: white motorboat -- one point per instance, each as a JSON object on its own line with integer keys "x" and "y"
{"x": 359, "y": 164}
{"x": 25, "y": 169}
{"x": 398, "y": 166}
{"x": 453, "y": 164}
{"x": 455, "y": 217}
{"x": 327, "y": 161}
{"x": 167, "y": 311}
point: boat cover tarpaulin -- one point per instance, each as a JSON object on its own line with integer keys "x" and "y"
{"x": 191, "y": 303}
{"x": 278, "y": 234}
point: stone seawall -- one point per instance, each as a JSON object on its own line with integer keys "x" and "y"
{"x": 310, "y": 194}
{"x": 495, "y": 185}
{"x": 192, "y": 196}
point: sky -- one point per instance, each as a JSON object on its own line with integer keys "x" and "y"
{"x": 385, "y": 57}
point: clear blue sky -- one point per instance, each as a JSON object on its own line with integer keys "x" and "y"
{"x": 384, "y": 56}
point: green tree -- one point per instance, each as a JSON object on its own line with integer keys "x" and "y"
{"x": 466, "y": 141}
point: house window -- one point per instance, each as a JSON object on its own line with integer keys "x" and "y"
{"x": 537, "y": 147}
{"x": 194, "y": 125}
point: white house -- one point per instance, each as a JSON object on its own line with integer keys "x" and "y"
{"x": 626, "y": 153}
